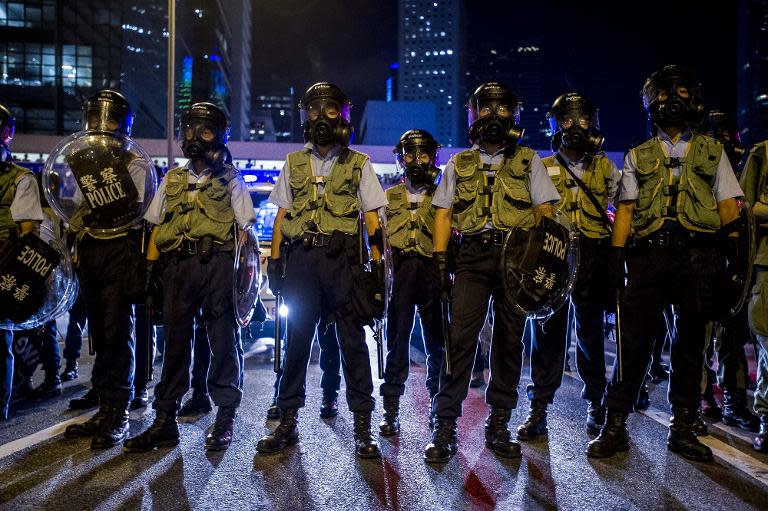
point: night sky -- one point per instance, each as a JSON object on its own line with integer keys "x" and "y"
{"x": 587, "y": 46}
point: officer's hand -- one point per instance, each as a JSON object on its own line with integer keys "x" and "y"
{"x": 442, "y": 275}
{"x": 275, "y": 275}
{"x": 616, "y": 269}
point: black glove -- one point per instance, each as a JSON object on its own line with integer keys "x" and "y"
{"x": 616, "y": 269}
{"x": 442, "y": 275}
{"x": 275, "y": 275}
{"x": 153, "y": 291}
{"x": 378, "y": 287}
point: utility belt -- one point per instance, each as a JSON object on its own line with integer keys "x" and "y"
{"x": 203, "y": 247}
{"x": 399, "y": 255}
{"x": 672, "y": 234}
{"x": 336, "y": 242}
{"x": 489, "y": 238}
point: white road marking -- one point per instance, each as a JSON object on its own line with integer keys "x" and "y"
{"x": 41, "y": 436}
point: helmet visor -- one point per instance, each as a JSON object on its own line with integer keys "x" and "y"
{"x": 419, "y": 154}
{"x": 107, "y": 116}
{"x": 202, "y": 129}
{"x": 491, "y": 107}
{"x": 324, "y": 107}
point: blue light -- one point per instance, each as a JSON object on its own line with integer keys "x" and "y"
{"x": 389, "y": 89}
{"x": 394, "y": 65}
{"x": 215, "y": 58}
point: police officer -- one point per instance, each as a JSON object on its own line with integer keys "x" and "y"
{"x": 316, "y": 244}
{"x": 677, "y": 190}
{"x": 754, "y": 182}
{"x": 485, "y": 191}
{"x": 106, "y": 263}
{"x": 194, "y": 213}
{"x": 20, "y": 214}
{"x": 587, "y": 182}
{"x": 410, "y": 217}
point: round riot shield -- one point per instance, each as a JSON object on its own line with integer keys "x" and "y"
{"x": 540, "y": 265}
{"x": 247, "y": 281}
{"x": 740, "y": 235}
{"x": 386, "y": 257}
{"x": 37, "y": 281}
{"x": 99, "y": 182}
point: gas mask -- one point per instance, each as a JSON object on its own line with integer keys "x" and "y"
{"x": 7, "y": 130}
{"x": 672, "y": 98}
{"x": 201, "y": 141}
{"x": 575, "y": 124}
{"x": 494, "y": 122}
{"x": 326, "y": 122}
{"x": 108, "y": 110}
{"x": 416, "y": 155}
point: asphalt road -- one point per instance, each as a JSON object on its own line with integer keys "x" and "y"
{"x": 41, "y": 470}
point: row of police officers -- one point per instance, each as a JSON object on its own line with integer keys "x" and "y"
{"x": 456, "y": 247}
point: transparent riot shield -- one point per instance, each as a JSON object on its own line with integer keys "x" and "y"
{"x": 539, "y": 265}
{"x": 740, "y": 235}
{"x": 99, "y": 182}
{"x": 37, "y": 281}
{"x": 247, "y": 281}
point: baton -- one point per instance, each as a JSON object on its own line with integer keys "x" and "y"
{"x": 91, "y": 347}
{"x": 445, "y": 316}
{"x": 378, "y": 336}
{"x": 619, "y": 362}
{"x": 150, "y": 341}
{"x": 278, "y": 331}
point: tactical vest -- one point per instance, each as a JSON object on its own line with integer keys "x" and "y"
{"x": 209, "y": 213}
{"x": 10, "y": 175}
{"x": 576, "y": 205}
{"x": 761, "y": 256}
{"x": 409, "y": 224}
{"x": 503, "y": 199}
{"x": 337, "y": 209}
{"x": 688, "y": 199}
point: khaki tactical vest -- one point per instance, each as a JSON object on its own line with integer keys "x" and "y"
{"x": 689, "y": 199}
{"x": 409, "y": 224}
{"x": 209, "y": 213}
{"x": 10, "y": 175}
{"x": 337, "y": 209}
{"x": 503, "y": 199}
{"x": 578, "y": 207}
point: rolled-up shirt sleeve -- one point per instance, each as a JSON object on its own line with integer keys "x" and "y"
{"x": 370, "y": 193}
{"x": 26, "y": 202}
{"x": 542, "y": 188}
{"x": 281, "y": 195}
{"x": 242, "y": 205}
{"x": 443, "y": 197}
{"x": 156, "y": 210}
{"x": 726, "y": 186}
{"x": 628, "y": 189}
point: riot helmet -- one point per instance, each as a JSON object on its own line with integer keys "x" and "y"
{"x": 575, "y": 124}
{"x": 722, "y": 128}
{"x": 672, "y": 97}
{"x": 493, "y": 114}
{"x": 204, "y": 131}
{"x": 325, "y": 118}
{"x": 107, "y": 110}
{"x": 7, "y": 130}
{"x": 416, "y": 155}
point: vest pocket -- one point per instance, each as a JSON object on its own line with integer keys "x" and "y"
{"x": 515, "y": 192}
{"x": 700, "y": 205}
{"x": 466, "y": 193}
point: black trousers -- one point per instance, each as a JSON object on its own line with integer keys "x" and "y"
{"x": 412, "y": 289}
{"x": 550, "y": 339}
{"x": 102, "y": 271}
{"x": 732, "y": 371}
{"x": 145, "y": 349}
{"x": 688, "y": 276}
{"x": 330, "y": 362}
{"x": 6, "y": 371}
{"x": 73, "y": 342}
{"x": 191, "y": 285}
{"x": 318, "y": 284}
{"x": 201, "y": 360}
{"x": 478, "y": 279}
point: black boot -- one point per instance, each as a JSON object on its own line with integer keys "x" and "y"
{"x": 329, "y": 408}
{"x": 390, "y": 423}
{"x": 223, "y": 428}
{"x": 88, "y": 400}
{"x": 196, "y": 405}
{"x": 273, "y": 412}
{"x": 443, "y": 445}
{"x": 140, "y": 399}
{"x": 595, "y": 417}
{"x": 760, "y": 443}
{"x": 87, "y": 428}
{"x": 113, "y": 428}
{"x": 164, "y": 432}
{"x": 70, "y": 371}
{"x": 681, "y": 439}
{"x": 699, "y": 427}
{"x": 50, "y": 388}
{"x": 497, "y": 436}
{"x": 287, "y": 433}
{"x": 535, "y": 424}
{"x": 643, "y": 399}
{"x": 366, "y": 445}
{"x": 709, "y": 406}
{"x": 613, "y": 437}
{"x": 735, "y": 411}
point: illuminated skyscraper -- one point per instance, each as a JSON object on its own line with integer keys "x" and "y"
{"x": 429, "y": 49}
{"x": 752, "y": 92}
